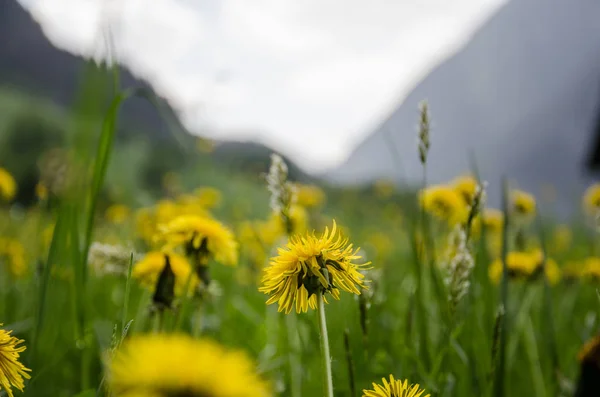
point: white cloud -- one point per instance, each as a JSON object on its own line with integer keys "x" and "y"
{"x": 307, "y": 77}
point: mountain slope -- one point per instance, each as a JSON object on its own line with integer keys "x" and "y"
{"x": 522, "y": 96}
{"x": 29, "y": 62}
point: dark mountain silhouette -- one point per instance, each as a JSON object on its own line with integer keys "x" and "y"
{"x": 29, "y": 62}
{"x": 522, "y": 97}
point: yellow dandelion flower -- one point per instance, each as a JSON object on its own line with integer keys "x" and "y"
{"x": 591, "y": 199}
{"x": 493, "y": 220}
{"x": 166, "y": 210}
{"x": 525, "y": 265}
{"x": 8, "y": 185}
{"x": 590, "y": 352}
{"x": 309, "y": 196}
{"x": 14, "y": 253}
{"x": 444, "y": 203}
{"x": 394, "y": 388}
{"x": 591, "y": 268}
{"x": 186, "y": 204}
{"x": 145, "y": 224}
{"x": 149, "y": 268}
{"x": 177, "y": 365}
{"x": 522, "y": 204}
{"x": 519, "y": 264}
{"x": 553, "y": 273}
{"x": 208, "y": 197}
{"x": 466, "y": 186}
{"x": 308, "y": 265}
{"x": 12, "y": 371}
{"x": 117, "y": 214}
{"x": 202, "y": 235}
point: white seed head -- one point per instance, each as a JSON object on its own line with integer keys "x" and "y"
{"x": 110, "y": 259}
{"x": 283, "y": 193}
{"x": 458, "y": 266}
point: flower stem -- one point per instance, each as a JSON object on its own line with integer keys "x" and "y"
{"x": 325, "y": 355}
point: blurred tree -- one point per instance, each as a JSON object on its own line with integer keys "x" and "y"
{"x": 162, "y": 158}
{"x": 27, "y": 137}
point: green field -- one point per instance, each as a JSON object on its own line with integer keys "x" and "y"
{"x": 517, "y": 333}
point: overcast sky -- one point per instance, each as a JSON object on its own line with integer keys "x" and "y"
{"x": 310, "y": 78}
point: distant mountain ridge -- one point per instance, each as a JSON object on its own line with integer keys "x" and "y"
{"x": 522, "y": 97}
{"x": 29, "y": 62}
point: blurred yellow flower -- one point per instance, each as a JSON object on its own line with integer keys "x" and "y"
{"x": 591, "y": 268}
{"x": 145, "y": 225}
{"x": 8, "y": 185}
{"x": 252, "y": 243}
{"x": 553, "y": 273}
{"x": 525, "y": 265}
{"x": 178, "y": 365}
{"x": 394, "y": 388}
{"x": 149, "y": 220}
{"x": 149, "y": 268}
{"x": 298, "y": 218}
{"x": 384, "y": 188}
{"x": 445, "y": 203}
{"x": 187, "y": 204}
{"x": 309, "y": 195}
{"x": 382, "y": 244}
{"x": 12, "y": 371}
{"x": 466, "y": 186}
{"x": 519, "y": 265}
{"x": 208, "y": 197}
{"x": 309, "y": 265}
{"x": 202, "y": 237}
{"x": 522, "y": 205}
{"x": 117, "y": 214}
{"x": 590, "y": 351}
{"x": 591, "y": 199}
{"x": 561, "y": 239}
{"x": 493, "y": 220}
{"x": 13, "y": 252}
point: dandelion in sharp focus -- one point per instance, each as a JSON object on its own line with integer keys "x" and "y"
{"x": 12, "y": 371}
{"x": 311, "y": 264}
{"x": 394, "y": 388}
{"x": 177, "y": 365}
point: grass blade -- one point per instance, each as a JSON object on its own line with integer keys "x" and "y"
{"x": 499, "y": 376}
{"x": 548, "y": 318}
{"x": 53, "y": 255}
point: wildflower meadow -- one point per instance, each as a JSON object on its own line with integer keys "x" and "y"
{"x": 223, "y": 283}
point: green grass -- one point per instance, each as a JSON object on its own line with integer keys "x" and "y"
{"x": 68, "y": 315}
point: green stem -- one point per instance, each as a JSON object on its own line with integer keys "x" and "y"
{"x": 325, "y": 354}
{"x": 294, "y": 355}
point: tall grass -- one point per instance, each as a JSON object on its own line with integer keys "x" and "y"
{"x": 70, "y": 316}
